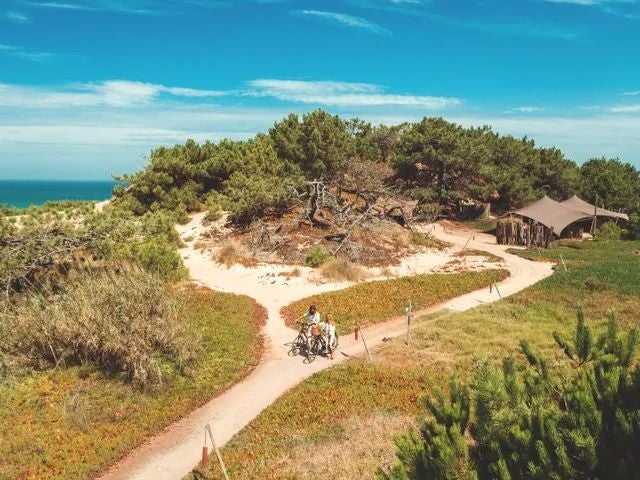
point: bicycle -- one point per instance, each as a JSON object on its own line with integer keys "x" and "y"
{"x": 301, "y": 342}
{"x": 319, "y": 346}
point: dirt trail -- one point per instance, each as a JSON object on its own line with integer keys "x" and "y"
{"x": 173, "y": 453}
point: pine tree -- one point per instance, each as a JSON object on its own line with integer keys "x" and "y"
{"x": 530, "y": 421}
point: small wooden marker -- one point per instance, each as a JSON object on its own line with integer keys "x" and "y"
{"x": 205, "y": 456}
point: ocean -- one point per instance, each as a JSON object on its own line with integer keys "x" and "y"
{"x": 24, "y": 193}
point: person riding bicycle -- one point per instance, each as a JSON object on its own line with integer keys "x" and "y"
{"x": 330, "y": 330}
{"x": 312, "y": 317}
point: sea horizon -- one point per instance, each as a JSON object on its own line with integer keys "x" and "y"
{"x": 23, "y": 193}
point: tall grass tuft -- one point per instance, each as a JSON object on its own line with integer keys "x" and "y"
{"x": 124, "y": 323}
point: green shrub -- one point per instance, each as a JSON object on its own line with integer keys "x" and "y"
{"x": 527, "y": 421}
{"x": 160, "y": 258}
{"x": 123, "y": 323}
{"x": 316, "y": 256}
{"x": 633, "y": 231}
{"x": 608, "y": 231}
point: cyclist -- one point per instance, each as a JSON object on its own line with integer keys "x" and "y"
{"x": 312, "y": 318}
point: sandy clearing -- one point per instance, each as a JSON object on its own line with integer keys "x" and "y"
{"x": 172, "y": 453}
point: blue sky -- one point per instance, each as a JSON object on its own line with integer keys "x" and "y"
{"x": 88, "y": 87}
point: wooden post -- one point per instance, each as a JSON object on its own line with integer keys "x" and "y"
{"x": 366, "y": 347}
{"x": 496, "y": 285}
{"x": 409, "y": 319}
{"x": 564, "y": 265}
{"x": 465, "y": 245}
{"x": 595, "y": 216}
{"x": 217, "y": 452}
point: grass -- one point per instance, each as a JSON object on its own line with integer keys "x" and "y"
{"x": 321, "y": 416}
{"x": 232, "y": 253}
{"x": 68, "y": 423}
{"x": 483, "y": 225}
{"x": 355, "y": 410}
{"x": 490, "y": 257}
{"x": 427, "y": 240}
{"x": 376, "y": 301}
{"x": 342, "y": 270}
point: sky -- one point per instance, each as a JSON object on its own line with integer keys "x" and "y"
{"x": 89, "y": 87}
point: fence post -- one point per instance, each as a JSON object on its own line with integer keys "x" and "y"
{"x": 217, "y": 452}
{"x": 409, "y": 311}
{"x": 205, "y": 452}
{"x": 564, "y": 265}
{"x": 366, "y": 347}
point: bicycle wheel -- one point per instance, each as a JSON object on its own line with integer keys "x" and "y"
{"x": 298, "y": 345}
{"x": 314, "y": 350}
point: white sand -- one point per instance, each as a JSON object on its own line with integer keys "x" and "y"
{"x": 172, "y": 453}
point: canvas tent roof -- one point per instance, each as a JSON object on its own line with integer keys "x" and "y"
{"x": 559, "y": 215}
{"x": 551, "y": 214}
{"x": 585, "y": 207}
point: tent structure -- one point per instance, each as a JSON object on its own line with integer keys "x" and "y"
{"x": 580, "y": 205}
{"x": 546, "y": 219}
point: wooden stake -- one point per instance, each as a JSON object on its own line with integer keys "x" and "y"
{"x": 564, "y": 265}
{"x": 496, "y": 285}
{"x": 217, "y": 452}
{"x": 409, "y": 318}
{"x": 205, "y": 455}
{"x": 365, "y": 347}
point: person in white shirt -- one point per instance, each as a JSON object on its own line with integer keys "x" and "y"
{"x": 330, "y": 330}
{"x": 312, "y": 316}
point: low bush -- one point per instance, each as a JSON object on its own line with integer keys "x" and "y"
{"x": 608, "y": 231}
{"x": 633, "y": 231}
{"x": 426, "y": 240}
{"x": 124, "y": 323}
{"x": 160, "y": 258}
{"x": 316, "y": 256}
{"x": 342, "y": 270}
{"x": 232, "y": 253}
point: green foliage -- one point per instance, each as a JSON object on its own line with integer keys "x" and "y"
{"x": 123, "y": 323}
{"x": 160, "y": 258}
{"x": 320, "y": 144}
{"x": 615, "y": 185}
{"x": 633, "y": 231}
{"x": 608, "y": 231}
{"x": 316, "y": 256}
{"x": 434, "y": 161}
{"x": 530, "y": 422}
{"x": 441, "y": 162}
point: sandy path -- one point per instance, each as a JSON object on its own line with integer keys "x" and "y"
{"x": 172, "y": 453}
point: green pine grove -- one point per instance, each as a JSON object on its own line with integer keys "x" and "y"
{"x": 434, "y": 161}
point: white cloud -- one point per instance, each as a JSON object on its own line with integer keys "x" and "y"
{"x": 115, "y": 93}
{"x": 633, "y": 93}
{"x": 344, "y": 94}
{"x": 625, "y": 108}
{"x": 526, "y": 109}
{"x": 24, "y": 53}
{"x": 346, "y": 20}
{"x": 16, "y": 17}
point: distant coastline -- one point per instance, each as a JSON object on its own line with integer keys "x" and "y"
{"x": 25, "y": 193}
